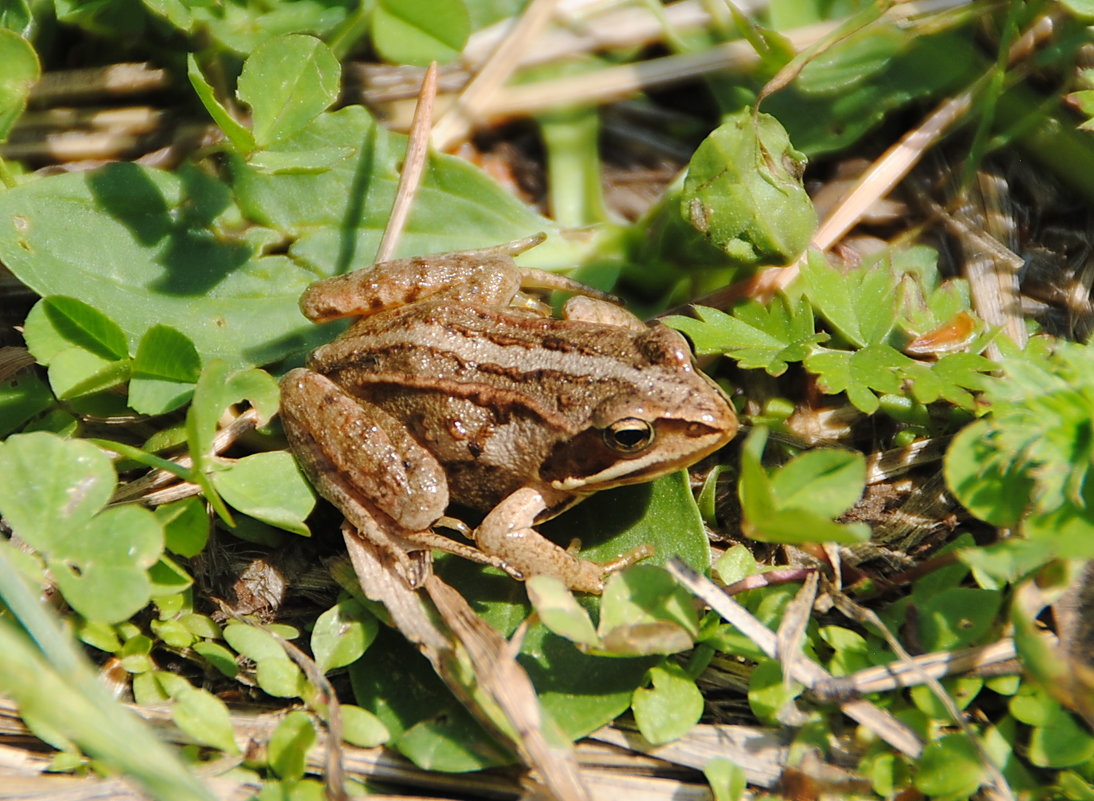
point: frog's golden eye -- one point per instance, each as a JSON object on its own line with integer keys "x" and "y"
{"x": 629, "y": 435}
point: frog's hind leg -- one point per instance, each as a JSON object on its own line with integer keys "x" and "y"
{"x": 356, "y": 453}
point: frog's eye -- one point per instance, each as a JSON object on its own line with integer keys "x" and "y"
{"x": 629, "y": 435}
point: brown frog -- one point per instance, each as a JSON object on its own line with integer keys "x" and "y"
{"x": 454, "y": 385}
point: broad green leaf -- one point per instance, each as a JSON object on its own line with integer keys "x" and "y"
{"x": 146, "y": 245}
{"x": 956, "y": 617}
{"x": 75, "y": 373}
{"x": 661, "y": 514}
{"x": 743, "y": 192}
{"x": 420, "y": 31}
{"x": 51, "y": 486}
{"x": 990, "y": 484}
{"x": 218, "y": 656}
{"x": 797, "y": 526}
{"x": 645, "y": 611}
{"x": 825, "y": 481}
{"x": 827, "y": 113}
{"x": 173, "y": 634}
{"x": 362, "y": 728}
{"x": 100, "y": 567}
{"x": 288, "y": 81}
{"x": 342, "y": 634}
{"x": 204, "y": 717}
{"x": 289, "y": 744}
{"x": 334, "y": 228}
{"x": 217, "y": 388}
{"x": 185, "y": 526}
{"x": 281, "y": 678}
{"x": 670, "y": 707}
{"x": 559, "y": 610}
{"x": 57, "y": 324}
{"x": 252, "y": 642}
{"x": 735, "y": 564}
{"x": 165, "y": 370}
{"x": 177, "y": 12}
{"x": 168, "y": 578}
{"x": 949, "y": 767}
{"x": 1060, "y": 742}
{"x": 269, "y": 487}
{"x": 21, "y": 71}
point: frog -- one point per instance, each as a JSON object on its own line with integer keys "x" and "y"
{"x": 456, "y": 385}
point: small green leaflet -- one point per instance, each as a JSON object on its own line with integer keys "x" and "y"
{"x": 758, "y": 337}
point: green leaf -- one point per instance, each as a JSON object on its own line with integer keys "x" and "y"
{"x": 559, "y": 610}
{"x": 768, "y": 692}
{"x": 165, "y": 370}
{"x": 218, "y": 656}
{"x": 75, "y": 373}
{"x": 362, "y": 728}
{"x": 860, "y": 304}
{"x": 100, "y": 567}
{"x": 726, "y": 779}
{"x": 989, "y": 483}
{"x": 334, "y": 229}
{"x": 757, "y": 337}
{"x": 269, "y": 487}
{"x": 420, "y": 31}
{"x": 57, "y": 324}
{"x": 21, "y": 71}
{"x": 185, "y": 526}
{"x": 743, "y": 192}
{"x": 342, "y": 634}
{"x": 21, "y": 399}
{"x": 51, "y": 486}
{"x": 252, "y": 642}
{"x": 288, "y": 81}
{"x": 671, "y": 707}
{"x": 241, "y": 137}
{"x": 949, "y": 767}
{"x": 787, "y": 509}
{"x": 849, "y": 89}
{"x": 861, "y": 373}
{"x": 825, "y": 481}
{"x": 289, "y": 744}
{"x": 204, "y": 717}
{"x": 217, "y": 389}
{"x": 956, "y": 617}
{"x": 645, "y": 611}
{"x": 1060, "y": 742}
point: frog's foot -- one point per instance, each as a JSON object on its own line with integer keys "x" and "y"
{"x": 631, "y": 557}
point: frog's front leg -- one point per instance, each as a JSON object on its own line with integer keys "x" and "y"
{"x": 507, "y": 533}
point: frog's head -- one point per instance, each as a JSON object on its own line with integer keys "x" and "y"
{"x": 669, "y": 416}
